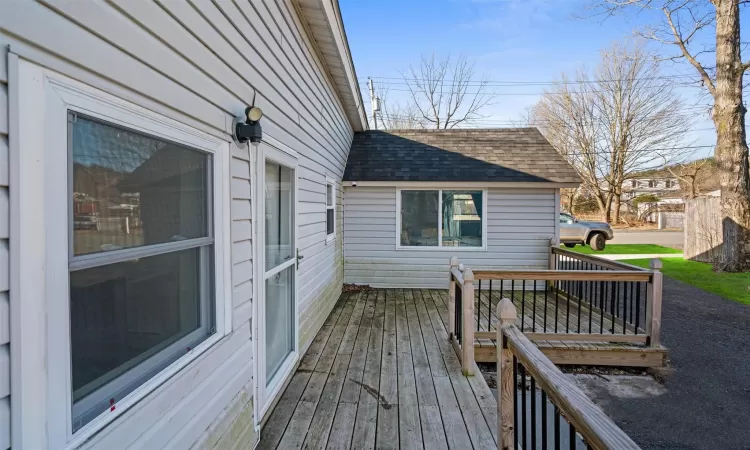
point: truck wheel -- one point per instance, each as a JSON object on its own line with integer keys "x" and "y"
{"x": 597, "y": 241}
{"x": 569, "y": 244}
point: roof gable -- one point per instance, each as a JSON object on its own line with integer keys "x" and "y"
{"x": 462, "y": 155}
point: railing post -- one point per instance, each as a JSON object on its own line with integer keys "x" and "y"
{"x": 467, "y": 326}
{"x": 452, "y": 298}
{"x": 653, "y": 304}
{"x": 506, "y": 313}
{"x": 551, "y": 284}
{"x": 551, "y": 254}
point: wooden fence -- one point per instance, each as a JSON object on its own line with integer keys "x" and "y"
{"x": 703, "y": 232}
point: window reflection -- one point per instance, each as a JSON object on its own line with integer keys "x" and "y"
{"x": 130, "y": 189}
{"x": 462, "y": 218}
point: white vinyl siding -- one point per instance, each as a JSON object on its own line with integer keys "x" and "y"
{"x": 199, "y": 63}
{"x": 520, "y": 224}
{"x": 4, "y": 260}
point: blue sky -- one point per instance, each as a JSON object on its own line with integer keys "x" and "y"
{"x": 513, "y": 40}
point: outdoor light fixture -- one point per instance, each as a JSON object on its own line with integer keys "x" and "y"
{"x": 250, "y": 130}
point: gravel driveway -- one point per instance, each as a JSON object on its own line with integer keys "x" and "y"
{"x": 707, "y": 399}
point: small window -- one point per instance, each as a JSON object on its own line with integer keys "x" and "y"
{"x": 330, "y": 209}
{"x": 651, "y": 183}
{"x": 441, "y": 218}
{"x": 141, "y": 252}
{"x": 633, "y": 183}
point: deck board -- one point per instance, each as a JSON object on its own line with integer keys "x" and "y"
{"x": 381, "y": 373}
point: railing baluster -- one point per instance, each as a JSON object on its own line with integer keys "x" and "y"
{"x": 625, "y": 307}
{"x": 458, "y": 310}
{"x": 567, "y": 309}
{"x": 557, "y": 306}
{"x": 533, "y": 413}
{"x": 612, "y": 310}
{"x": 602, "y": 300}
{"x": 523, "y": 303}
{"x": 572, "y": 438}
{"x": 558, "y": 417}
{"x": 479, "y": 305}
{"x": 489, "y": 316}
{"x": 591, "y": 303}
{"x": 544, "y": 420}
{"x": 516, "y": 408}
{"x": 637, "y": 305}
{"x": 533, "y": 308}
{"x": 522, "y": 371}
{"x": 580, "y": 299}
{"x": 546, "y": 289}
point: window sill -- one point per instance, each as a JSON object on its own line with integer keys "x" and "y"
{"x": 330, "y": 238}
{"x": 443, "y": 249}
{"x": 149, "y": 388}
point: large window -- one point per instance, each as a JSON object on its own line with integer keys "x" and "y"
{"x": 140, "y": 262}
{"x": 122, "y": 258}
{"x": 441, "y": 218}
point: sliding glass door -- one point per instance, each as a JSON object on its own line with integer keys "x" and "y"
{"x": 277, "y": 331}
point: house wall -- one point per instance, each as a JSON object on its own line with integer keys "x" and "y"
{"x": 520, "y": 224}
{"x": 200, "y": 63}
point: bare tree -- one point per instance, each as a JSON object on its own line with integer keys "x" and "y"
{"x": 568, "y": 119}
{"x": 447, "y": 94}
{"x": 616, "y": 122}
{"x": 691, "y": 175}
{"x": 682, "y": 21}
{"x": 397, "y": 116}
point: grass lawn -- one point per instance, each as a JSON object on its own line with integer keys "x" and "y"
{"x": 625, "y": 249}
{"x": 734, "y": 286}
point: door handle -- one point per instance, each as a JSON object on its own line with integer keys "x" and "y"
{"x": 298, "y": 258}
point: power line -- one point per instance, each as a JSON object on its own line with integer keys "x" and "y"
{"x": 404, "y": 80}
{"x": 490, "y": 93}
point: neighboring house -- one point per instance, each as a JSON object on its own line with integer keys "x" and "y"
{"x": 660, "y": 187}
{"x": 415, "y": 198}
{"x": 159, "y": 282}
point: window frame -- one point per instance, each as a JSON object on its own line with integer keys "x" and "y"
{"x": 45, "y": 97}
{"x": 440, "y": 246}
{"x": 330, "y": 182}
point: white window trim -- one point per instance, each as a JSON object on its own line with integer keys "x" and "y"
{"x": 330, "y": 237}
{"x": 40, "y": 273}
{"x": 272, "y": 150}
{"x": 440, "y": 246}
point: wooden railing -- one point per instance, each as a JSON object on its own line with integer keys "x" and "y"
{"x": 632, "y": 306}
{"x": 580, "y": 298}
{"x": 461, "y": 314}
{"x": 538, "y": 406}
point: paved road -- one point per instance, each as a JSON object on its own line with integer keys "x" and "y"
{"x": 707, "y": 399}
{"x": 665, "y": 238}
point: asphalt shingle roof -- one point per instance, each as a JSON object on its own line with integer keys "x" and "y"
{"x": 500, "y": 154}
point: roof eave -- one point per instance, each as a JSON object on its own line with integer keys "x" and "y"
{"x": 347, "y": 182}
{"x": 325, "y": 27}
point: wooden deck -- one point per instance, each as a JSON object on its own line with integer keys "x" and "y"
{"x": 381, "y": 373}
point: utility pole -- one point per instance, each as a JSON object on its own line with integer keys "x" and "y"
{"x": 374, "y": 103}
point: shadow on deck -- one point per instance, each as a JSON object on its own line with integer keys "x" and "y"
{"x": 382, "y": 373}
